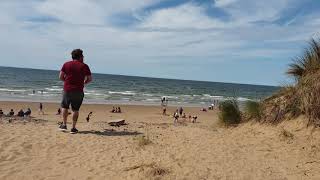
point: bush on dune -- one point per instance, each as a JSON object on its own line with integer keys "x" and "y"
{"x": 229, "y": 112}
{"x": 252, "y": 110}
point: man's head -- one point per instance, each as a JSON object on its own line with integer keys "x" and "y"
{"x": 77, "y": 54}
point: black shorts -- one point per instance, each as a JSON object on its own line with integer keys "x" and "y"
{"x": 72, "y": 98}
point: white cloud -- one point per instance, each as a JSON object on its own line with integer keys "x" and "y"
{"x": 181, "y": 17}
{"x": 245, "y": 11}
{"x": 73, "y": 11}
{"x": 224, "y": 3}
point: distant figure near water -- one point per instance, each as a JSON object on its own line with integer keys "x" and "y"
{"x": 176, "y": 117}
{"x": 41, "y": 109}
{"x": 75, "y": 74}
{"x": 180, "y": 111}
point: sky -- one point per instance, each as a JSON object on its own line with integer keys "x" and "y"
{"x": 240, "y": 41}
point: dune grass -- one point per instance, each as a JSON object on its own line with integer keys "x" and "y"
{"x": 303, "y": 97}
{"x": 252, "y": 110}
{"x": 229, "y": 112}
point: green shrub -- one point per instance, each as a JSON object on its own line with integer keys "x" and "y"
{"x": 252, "y": 110}
{"x": 229, "y": 112}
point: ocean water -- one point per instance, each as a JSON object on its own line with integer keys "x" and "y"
{"x": 43, "y": 85}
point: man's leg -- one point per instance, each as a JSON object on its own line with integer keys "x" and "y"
{"x": 75, "y": 116}
{"x": 65, "y": 115}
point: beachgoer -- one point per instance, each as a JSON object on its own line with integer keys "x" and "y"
{"x": 163, "y": 99}
{"x": 113, "y": 110}
{"x": 194, "y": 119}
{"x": 118, "y": 110}
{"x": 41, "y": 109}
{"x": 59, "y": 111}
{"x": 203, "y": 109}
{"x": 184, "y": 115}
{"x": 1, "y": 112}
{"x": 164, "y": 111}
{"x": 176, "y": 117}
{"x": 88, "y": 117}
{"x": 180, "y": 111}
{"x": 20, "y": 113}
{"x": 11, "y": 113}
{"x": 75, "y": 74}
{"x": 27, "y": 113}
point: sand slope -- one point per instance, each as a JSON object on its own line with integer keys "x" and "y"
{"x": 37, "y": 150}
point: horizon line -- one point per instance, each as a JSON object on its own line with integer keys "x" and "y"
{"x": 148, "y": 77}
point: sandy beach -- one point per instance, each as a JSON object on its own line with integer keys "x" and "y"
{"x": 202, "y": 150}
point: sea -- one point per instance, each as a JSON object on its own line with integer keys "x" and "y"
{"x": 34, "y": 85}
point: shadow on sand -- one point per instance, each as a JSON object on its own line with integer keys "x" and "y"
{"x": 111, "y": 132}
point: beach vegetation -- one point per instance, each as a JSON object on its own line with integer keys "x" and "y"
{"x": 229, "y": 112}
{"x": 252, "y": 110}
{"x": 303, "y": 96}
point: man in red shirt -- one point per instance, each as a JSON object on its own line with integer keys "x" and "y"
{"x": 75, "y": 75}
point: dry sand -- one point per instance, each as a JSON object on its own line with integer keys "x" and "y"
{"x": 37, "y": 150}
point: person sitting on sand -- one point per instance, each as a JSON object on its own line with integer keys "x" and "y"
{"x": 203, "y": 109}
{"x": 27, "y": 113}
{"x": 11, "y": 113}
{"x": 20, "y": 113}
{"x": 1, "y": 112}
{"x": 113, "y": 110}
{"x": 189, "y": 117}
{"x": 59, "y": 111}
{"x": 118, "y": 110}
{"x": 184, "y": 116}
{"x": 88, "y": 117}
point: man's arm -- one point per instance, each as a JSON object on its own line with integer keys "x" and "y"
{"x": 62, "y": 76}
{"x": 88, "y": 79}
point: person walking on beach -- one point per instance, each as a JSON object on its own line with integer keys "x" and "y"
{"x": 180, "y": 111}
{"x": 41, "y": 109}
{"x": 75, "y": 74}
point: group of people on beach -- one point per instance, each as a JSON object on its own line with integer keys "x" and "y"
{"x": 116, "y": 110}
{"x": 20, "y": 113}
{"x": 179, "y": 113}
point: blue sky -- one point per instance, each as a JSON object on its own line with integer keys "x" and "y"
{"x": 242, "y": 41}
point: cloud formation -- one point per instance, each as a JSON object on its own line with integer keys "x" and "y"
{"x": 202, "y": 40}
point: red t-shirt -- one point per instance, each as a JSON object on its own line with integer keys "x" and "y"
{"x": 75, "y": 73}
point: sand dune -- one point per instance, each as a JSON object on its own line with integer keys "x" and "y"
{"x": 36, "y": 150}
